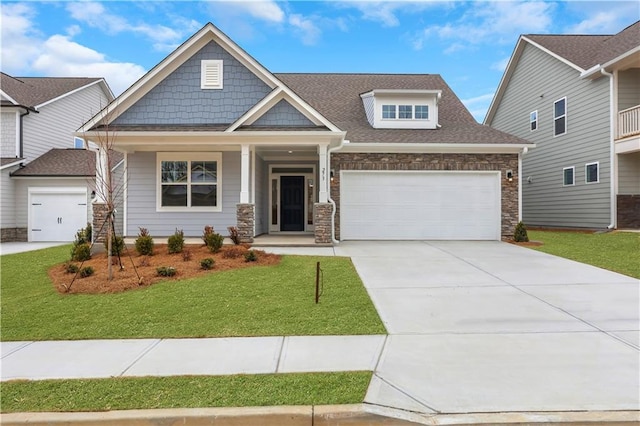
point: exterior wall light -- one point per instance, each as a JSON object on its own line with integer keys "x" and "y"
{"x": 510, "y": 175}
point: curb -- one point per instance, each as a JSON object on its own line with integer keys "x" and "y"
{"x": 323, "y": 415}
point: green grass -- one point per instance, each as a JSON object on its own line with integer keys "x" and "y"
{"x": 259, "y": 301}
{"x": 615, "y": 251}
{"x": 184, "y": 392}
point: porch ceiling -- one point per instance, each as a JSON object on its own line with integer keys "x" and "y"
{"x": 286, "y": 153}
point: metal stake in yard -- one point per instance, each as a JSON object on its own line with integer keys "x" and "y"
{"x": 317, "y": 282}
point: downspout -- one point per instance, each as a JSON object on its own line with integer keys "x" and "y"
{"x": 612, "y": 153}
{"x": 333, "y": 203}
{"x": 27, "y": 111}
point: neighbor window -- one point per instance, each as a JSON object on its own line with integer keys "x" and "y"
{"x": 591, "y": 172}
{"x": 422, "y": 112}
{"x": 189, "y": 181}
{"x": 560, "y": 117}
{"x": 405, "y": 111}
{"x": 568, "y": 176}
{"x": 389, "y": 111}
{"x": 78, "y": 143}
{"x": 533, "y": 120}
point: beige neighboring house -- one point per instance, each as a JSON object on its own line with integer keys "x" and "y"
{"x": 48, "y": 177}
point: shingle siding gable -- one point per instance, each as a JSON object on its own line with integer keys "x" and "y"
{"x": 283, "y": 114}
{"x": 179, "y": 99}
{"x": 537, "y": 82}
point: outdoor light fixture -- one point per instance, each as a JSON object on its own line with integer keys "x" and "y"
{"x": 331, "y": 175}
{"x": 93, "y": 194}
{"x": 510, "y": 175}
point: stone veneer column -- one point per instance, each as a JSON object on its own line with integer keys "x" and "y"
{"x": 99, "y": 219}
{"x": 322, "y": 221}
{"x": 245, "y": 216}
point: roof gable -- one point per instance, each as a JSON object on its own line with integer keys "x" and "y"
{"x": 34, "y": 92}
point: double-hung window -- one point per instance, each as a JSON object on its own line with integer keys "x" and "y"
{"x": 560, "y": 117}
{"x": 591, "y": 172}
{"x": 568, "y": 176}
{"x": 422, "y": 112}
{"x": 533, "y": 120}
{"x": 189, "y": 182}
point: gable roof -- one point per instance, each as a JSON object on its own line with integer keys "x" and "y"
{"x": 337, "y": 97}
{"x": 587, "y": 54}
{"x": 33, "y": 92}
{"x": 61, "y": 162}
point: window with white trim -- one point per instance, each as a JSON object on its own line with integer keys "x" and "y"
{"x": 405, "y": 112}
{"x": 568, "y": 176}
{"x": 560, "y": 117}
{"x": 389, "y": 111}
{"x": 422, "y": 112}
{"x": 592, "y": 172}
{"x": 189, "y": 181}
{"x": 78, "y": 143}
{"x": 533, "y": 120}
{"x": 211, "y": 74}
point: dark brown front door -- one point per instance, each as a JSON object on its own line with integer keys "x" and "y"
{"x": 292, "y": 203}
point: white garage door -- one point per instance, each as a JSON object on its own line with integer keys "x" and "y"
{"x": 380, "y": 205}
{"x": 57, "y": 215}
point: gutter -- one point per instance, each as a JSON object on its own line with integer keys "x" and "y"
{"x": 613, "y": 200}
{"x": 331, "y": 200}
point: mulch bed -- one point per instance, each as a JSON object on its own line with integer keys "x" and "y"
{"x": 187, "y": 265}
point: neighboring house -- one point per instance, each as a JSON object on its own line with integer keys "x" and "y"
{"x": 47, "y": 175}
{"x": 577, "y": 97}
{"x": 211, "y": 137}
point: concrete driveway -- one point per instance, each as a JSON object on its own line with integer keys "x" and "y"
{"x": 492, "y": 327}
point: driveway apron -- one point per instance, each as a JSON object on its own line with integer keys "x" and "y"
{"x": 487, "y": 326}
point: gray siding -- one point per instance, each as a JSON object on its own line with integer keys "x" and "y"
{"x": 141, "y": 194}
{"x": 7, "y": 198}
{"x": 283, "y": 114}
{"x": 629, "y": 174}
{"x": 22, "y": 194}
{"x": 262, "y": 193}
{"x": 53, "y": 126}
{"x": 369, "y": 109}
{"x": 178, "y": 99}
{"x": 538, "y": 81}
{"x": 8, "y": 135}
{"x": 628, "y": 88}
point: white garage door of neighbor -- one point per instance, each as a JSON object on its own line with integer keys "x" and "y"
{"x": 381, "y": 205}
{"x": 57, "y": 216}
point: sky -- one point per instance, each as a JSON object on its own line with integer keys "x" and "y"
{"x": 468, "y": 43}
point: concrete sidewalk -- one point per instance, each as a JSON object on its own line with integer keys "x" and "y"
{"x": 83, "y": 359}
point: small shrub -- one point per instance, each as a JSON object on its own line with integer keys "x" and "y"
{"x": 250, "y": 256}
{"x": 175, "y": 243}
{"x": 233, "y": 235}
{"x": 212, "y": 239}
{"x": 144, "y": 243}
{"x": 81, "y": 252}
{"x": 117, "y": 245}
{"x": 207, "y": 263}
{"x": 71, "y": 268}
{"x": 234, "y": 252}
{"x": 166, "y": 271}
{"x": 186, "y": 255}
{"x": 520, "y": 234}
{"x": 87, "y": 271}
{"x": 83, "y": 235}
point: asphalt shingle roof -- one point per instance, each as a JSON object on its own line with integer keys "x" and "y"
{"x": 33, "y": 91}
{"x": 61, "y": 162}
{"x": 587, "y": 51}
{"x": 337, "y": 97}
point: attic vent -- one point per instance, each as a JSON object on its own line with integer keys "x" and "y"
{"x": 211, "y": 77}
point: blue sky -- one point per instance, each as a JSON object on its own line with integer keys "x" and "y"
{"x": 468, "y": 43}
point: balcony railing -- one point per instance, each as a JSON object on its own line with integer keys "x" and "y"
{"x": 629, "y": 122}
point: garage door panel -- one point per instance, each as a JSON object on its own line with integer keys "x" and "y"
{"x": 420, "y": 205}
{"x": 57, "y": 216}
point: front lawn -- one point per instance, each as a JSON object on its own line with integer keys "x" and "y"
{"x": 260, "y": 301}
{"x": 615, "y": 251}
{"x": 128, "y": 393}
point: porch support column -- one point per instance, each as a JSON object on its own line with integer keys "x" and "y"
{"x": 244, "y": 174}
{"x": 323, "y": 175}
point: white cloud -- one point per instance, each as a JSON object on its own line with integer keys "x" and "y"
{"x": 501, "y": 65}
{"x": 309, "y": 32}
{"x": 478, "y": 105}
{"x": 386, "y": 12}
{"x": 601, "y": 22}
{"x": 29, "y": 53}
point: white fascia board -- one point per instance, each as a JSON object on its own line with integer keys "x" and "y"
{"x": 383, "y": 92}
{"x": 9, "y": 98}
{"x": 555, "y": 55}
{"x": 15, "y": 163}
{"x": 504, "y": 81}
{"x": 257, "y": 110}
{"x": 311, "y": 114}
{"x": 64, "y": 95}
{"x": 436, "y": 148}
{"x": 57, "y": 177}
{"x": 594, "y": 72}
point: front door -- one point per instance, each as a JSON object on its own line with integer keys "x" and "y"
{"x": 292, "y": 203}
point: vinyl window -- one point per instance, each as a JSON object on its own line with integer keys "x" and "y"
{"x": 422, "y": 112}
{"x": 592, "y": 172}
{"x": 568, "y": 176}
{"x": 405, "y": 112}
{"x": 188, "y": 182}
{"x": 533, "y": 120}
{"x": 560, "y": 117}
{"x": 389, "y": 111}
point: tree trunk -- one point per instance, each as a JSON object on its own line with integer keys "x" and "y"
{"x": 109, "y": 246}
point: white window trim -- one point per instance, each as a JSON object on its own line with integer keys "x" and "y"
{"x": 395, "y": 112}
{"x": 574, "y": 176}
{"x": 586, "y": 176}
{"x": 188, "y": 156}
{"x": 565, "y": 115}
{"x": 204, "y": 64}
{"x": 413, "y": 112}
{"x": 533, "y": 121}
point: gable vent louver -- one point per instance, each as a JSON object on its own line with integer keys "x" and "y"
{"x": 211, "y": 77}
